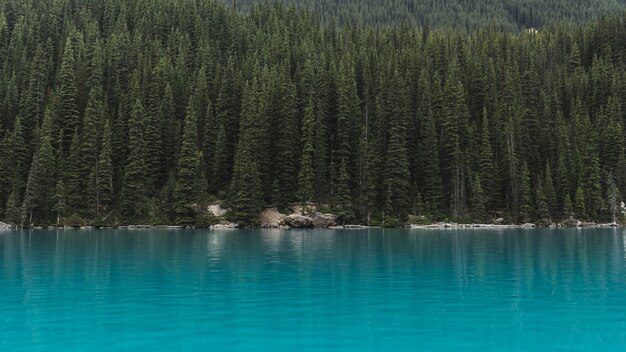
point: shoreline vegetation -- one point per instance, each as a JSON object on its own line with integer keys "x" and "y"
{"x": 115, "y": 113}
{"x": 309, "y": 217}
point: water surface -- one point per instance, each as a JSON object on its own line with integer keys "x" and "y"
{"x": 313, "y": 290}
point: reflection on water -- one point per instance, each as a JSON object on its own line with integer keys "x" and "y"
{"x": 316, "y": 290}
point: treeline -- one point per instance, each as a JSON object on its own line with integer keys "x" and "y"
{"x": 507, "y": 15}
{"x": 127, "y": 112}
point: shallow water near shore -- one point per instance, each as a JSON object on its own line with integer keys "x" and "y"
{"x": 313, "y": 290}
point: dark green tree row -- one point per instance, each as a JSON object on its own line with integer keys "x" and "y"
{"x": 125, "y": 112}
{"x": 508, "y": 15}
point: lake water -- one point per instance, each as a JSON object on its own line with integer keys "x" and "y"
{"x": 314, "y": 290}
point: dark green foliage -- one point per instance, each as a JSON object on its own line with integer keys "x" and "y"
{"x": 343, "y": 202}
{"x": 510, "y": 15}
{"x": 542, "y": 210}
{"x": 306, "y": 179}
{"x": 478, "y": 200}
{"x": 134, "y": 187}
{"x": 184, "y": 191}
{"x": 246, "y": 193}
{"x": 104, "y": 172}
{"x": 68, "y": 95}
{"x": 137, "y": 111}
{"x": 568, "y": 208}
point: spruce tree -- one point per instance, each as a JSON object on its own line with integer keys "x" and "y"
{"x": 134, "y": 187}
{"x": 526, "y": 207}
{"x": 68, "y": 95}
{"x": 542, "y": 209}
{"x": 41, "y": 179}
{"x": 184, "y": 192}
{"x": 580, "y": 205}
{"x": 568, "y": 208}
{"x": 104, "y": 179}
{"x": 486, "y": 167}
{"x": 478, "y": 200}
{"x": 397, "y": 172}
{"x": 430, "y": 180}
{"x": 246, "y": 193}
{"x": 221, "y": 171}
{"x": 306, "y": 178}
{"x": 343, "y": 202}
{"x": 550, "y": 192}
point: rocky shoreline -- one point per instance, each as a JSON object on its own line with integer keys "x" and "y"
{"x": 310, "y": 218}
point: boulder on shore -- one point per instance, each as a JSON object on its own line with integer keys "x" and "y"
{"x": 324, "y": 220}
{"x": 5, "y": 226}
{"x": 298, "y": 221}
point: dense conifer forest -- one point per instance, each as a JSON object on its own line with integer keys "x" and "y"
{"x": 118, "y": 111}
{"x": 508, "y": 15}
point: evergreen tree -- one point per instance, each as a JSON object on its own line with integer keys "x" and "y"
{"x": 184, "y": 191}
{"x": 343, "y": 203}
{"x": 580, "y": 204}
{"x": 68, "y": 95}
{"x": 478, "y": 200}
{"x": 542, "y": 208}
{"x": 613, "y": 198}
{"x": 41, "y": 179}
{"x": 104, "y": 173}
{"x": 487, "y": 171}
{"x": 526, "y": 207}
{"x": 246, "y": 193}
{"x": 306, "y": 178}
{"x": 568, "y": 208}
{"x": 430, "y": 180}
{"x": 133, "y": 188}
{"x": 549, "y": 191}
{"x": 397, "y": 172}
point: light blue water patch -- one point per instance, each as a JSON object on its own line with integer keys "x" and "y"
{"x": 314, "y": 290}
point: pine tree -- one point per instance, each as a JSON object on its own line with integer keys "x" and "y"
{"x": 287, "y": 146}
{"x": 184, "y": 192}
{"x": 306, "y": 178}
{"x": 549, "y": 191}
{"x": 526, "y": 207}
{"x": 367, "y": 186}
{"x": 397, "y": 172}
{"x": 343, "y": 203}
{"x": 134, "y": 188}
{"x": 568, "y": 208}
{"x": 348, "y": 108}
{"x": 41, "y": 182}
{"x": 246, "y": 193}
{"x": 454, "y": 124}
{"x": 486, "y": 168}
{"x": 90, "y": 145}
{"x": 580, "y": 204}
{"x": 221, "y": 171}
{"x": 430, "y": 180}
{"x": 73, "y": 176}
{"x": 68, "y": 95}
{"x": 478, "y": 200}
{"x": 613, "y": 198}
{"x": 104, "y": 179}
{"x": 542, "y": 208}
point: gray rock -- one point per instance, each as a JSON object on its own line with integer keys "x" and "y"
{"x": 5, "y": 226}
{"x": 324, "y": 220}
{"x": 298, "y": 221}
{"x": 226, "y": 226}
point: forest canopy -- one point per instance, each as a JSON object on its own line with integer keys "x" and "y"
{"x": 508, "y": 15}
{"x": 143, "y": 111}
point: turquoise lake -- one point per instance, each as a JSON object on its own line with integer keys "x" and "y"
{"x": 313, "y": 290}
